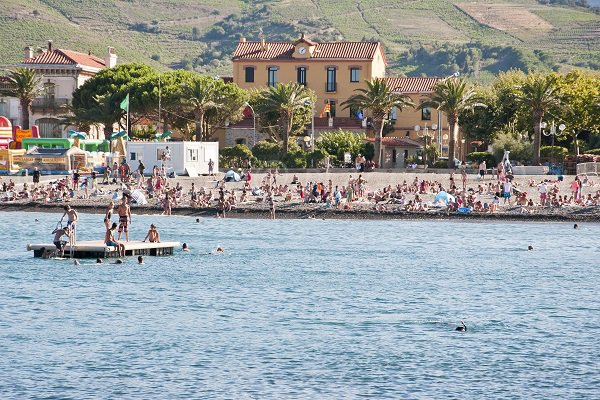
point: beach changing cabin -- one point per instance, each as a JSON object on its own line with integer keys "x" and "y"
{"x": 186, "y": 158}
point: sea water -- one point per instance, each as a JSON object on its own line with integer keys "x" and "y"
{"x": 305, "y": 309}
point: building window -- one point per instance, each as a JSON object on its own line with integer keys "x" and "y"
{"x": 249, "y": 74}
{"x": 240, "y": 141}
{"x": 301, "y": 71}
{"x": 331, "y": 84}
{"x": 192, "y": 155}
{"x": 272, "y": 79}
{"x": 133, "y": 156}
{"x": 393, "y": 114}
{"x": 354, "y": 74}
{"x": 426, "y": 114}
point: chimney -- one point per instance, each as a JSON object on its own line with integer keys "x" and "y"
{"x": 49, "y": 45}
{"x": 242, "y": 40}
{"x": 28, "y": 52}
{"x": 110, "y": 60}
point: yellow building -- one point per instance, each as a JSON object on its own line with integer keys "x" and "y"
{"x": 334, "y": 70}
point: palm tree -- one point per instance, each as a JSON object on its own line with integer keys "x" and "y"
{"x": 379, "y": 100}
{"x": 453, "y": 96}
{"x": 539, "y": 93}
{"x": 26, "y": 86}
{"x": 286, "y": 99}
{"x": 199, "y": 94}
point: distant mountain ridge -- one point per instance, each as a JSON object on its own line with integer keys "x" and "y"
{"x": 477, "y": 38}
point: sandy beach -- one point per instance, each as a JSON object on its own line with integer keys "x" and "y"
{"x": 362, "y": 208}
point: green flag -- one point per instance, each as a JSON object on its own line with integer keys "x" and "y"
{"x": 125, "y": 103}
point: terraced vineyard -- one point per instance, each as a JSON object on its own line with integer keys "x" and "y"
{"x": 201, "y": 34}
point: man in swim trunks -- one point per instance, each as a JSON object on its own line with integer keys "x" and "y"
{"x": 72, "y": 217}
{"x": 124, "y": 215}
{"x": 109, "y": 240}
{"x": 58, "y": 234}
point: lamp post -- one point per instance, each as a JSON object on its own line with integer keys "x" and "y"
{"x": 426, "y": 135}
{"x": 553, "y": 133}
{"x": 253, "y": 123}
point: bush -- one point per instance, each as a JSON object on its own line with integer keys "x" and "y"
{"x": 234, "y": 157}
{"x": 440, "y": 164}
{"x": 314, "y": 158}
{"x": 479, "y": 156}
{"x": 339, "y": 142}
{"x": 266, "y": 151}
{"x": 295, "y": 159}
{"x": 554, "y": 152}
{"x": 595, "y": 152}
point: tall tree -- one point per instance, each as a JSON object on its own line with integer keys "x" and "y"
{"x": 580, "y": 94}
{"x": 379, "y": 100}
{"x": 199, "y": 94}
{"x": 26, "y": 86}
{"x": 453, "y": 96}
{"x": 539, "y": 94}
{"x": 286, "y": 101}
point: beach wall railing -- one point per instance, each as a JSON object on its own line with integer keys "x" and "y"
{"x": 588, "y": 168}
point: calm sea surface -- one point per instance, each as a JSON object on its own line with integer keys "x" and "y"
{"x": 305, "y": 309}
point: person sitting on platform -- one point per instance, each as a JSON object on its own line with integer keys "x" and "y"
{"x": 153, "y": 236}
{"x": 109, "y": 240}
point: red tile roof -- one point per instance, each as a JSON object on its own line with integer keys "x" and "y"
{"x": 398, "y": 142}
{"x": 412, "y": 85}
{"x": 323, "y": 51}
{"x": 66, "y": 57}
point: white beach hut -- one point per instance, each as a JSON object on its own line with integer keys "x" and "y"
{"x": 183, "y": 158}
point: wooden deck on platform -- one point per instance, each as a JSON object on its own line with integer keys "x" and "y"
{"x": 97, "y": 249}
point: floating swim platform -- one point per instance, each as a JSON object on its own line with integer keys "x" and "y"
{"x": 97, "y": 249}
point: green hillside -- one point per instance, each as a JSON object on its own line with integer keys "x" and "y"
{"x": 419, "y": 35}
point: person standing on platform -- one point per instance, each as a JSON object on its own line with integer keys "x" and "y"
{"x": 124, "y": 211}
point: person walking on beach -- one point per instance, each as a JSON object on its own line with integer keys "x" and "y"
{"x": 153, "y": 236}
{"x": 463, "y": 174}
{"x": 543, "y": 190}
{"x": 124, "y": 211}
{"x": 507, "y": 191}
{"x": 211, "y": 166}
{"x": 109, "y": 240}
{"x": 76, "y": 176}
{"x": 36, "y": 177}
{"x": 482, "y": 168}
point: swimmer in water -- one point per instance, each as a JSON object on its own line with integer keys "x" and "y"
{"x": 76, "y": 262}
{"x": 462, "y": 328}
{"x": 140, "y": 260}
{"x": 575, "y": 226}
{"x": 220, "y": 250}
{"x": 98, "y": 261}
{"x": 185, "y": 247}
{"x": 530, "y": 248}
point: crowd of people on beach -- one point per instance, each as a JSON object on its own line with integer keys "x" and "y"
{"x": 473, "y": 193}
